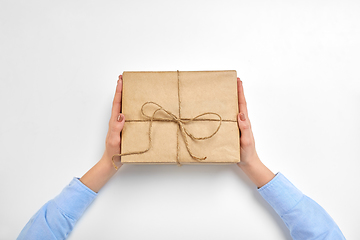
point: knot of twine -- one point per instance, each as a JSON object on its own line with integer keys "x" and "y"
{"x": 181, "y": 123}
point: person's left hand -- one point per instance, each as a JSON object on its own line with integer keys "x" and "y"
{"x": 116, "y": 124}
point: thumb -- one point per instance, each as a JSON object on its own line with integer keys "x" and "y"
{"x": 121, "y": 121}
{"x": 244, "y": 125}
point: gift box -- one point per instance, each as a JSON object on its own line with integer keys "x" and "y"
{"x": 180, "y": 117}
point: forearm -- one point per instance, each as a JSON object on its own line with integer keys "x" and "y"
{"x": 99, "y": 174}
{"x": 258, "y": 173}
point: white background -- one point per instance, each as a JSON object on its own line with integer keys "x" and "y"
{"x": 299, "y": 62}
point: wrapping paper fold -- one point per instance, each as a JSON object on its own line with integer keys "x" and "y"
{"x": 181, "y": 95}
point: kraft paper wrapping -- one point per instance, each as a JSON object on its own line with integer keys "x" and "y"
{"x": 196, "y": 92}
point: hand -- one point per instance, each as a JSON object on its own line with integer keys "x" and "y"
{"x": 103, "y": 170}
{"x": 116, "y": 124}
{"x": 247, "y": 142}
{"x": 249, "y": 161}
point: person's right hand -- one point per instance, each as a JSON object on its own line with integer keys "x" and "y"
{"x": 249, "y": 161}
{"x": 247, "y": 142}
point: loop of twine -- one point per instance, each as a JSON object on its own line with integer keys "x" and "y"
{"x": 181, "y": 123}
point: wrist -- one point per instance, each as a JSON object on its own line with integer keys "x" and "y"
{"x": 249, "y": 162}
{"x": 257, "y": 172}
{"x": 99, "y": 174}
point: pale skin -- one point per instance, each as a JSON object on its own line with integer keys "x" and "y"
{"x": 103, "y": 170}
{"x": 250, "y": 162}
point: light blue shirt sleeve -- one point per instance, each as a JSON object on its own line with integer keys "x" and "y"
{"x": 303, "y": 216}
{"x": 56, "y": 219}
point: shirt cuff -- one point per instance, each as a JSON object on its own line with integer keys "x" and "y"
{"x": 75, "y": 198}
{"x": 281, "y": 194}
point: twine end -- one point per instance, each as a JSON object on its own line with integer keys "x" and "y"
{"x": 113, "y": 162}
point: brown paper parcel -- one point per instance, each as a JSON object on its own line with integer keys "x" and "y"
{"x": 170, "y": 97}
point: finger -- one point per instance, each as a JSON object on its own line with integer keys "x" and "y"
{"x": 241, "y": 96}
{"x": 116, "y": 108}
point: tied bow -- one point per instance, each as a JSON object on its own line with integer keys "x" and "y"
{"x": 181, "y": 123}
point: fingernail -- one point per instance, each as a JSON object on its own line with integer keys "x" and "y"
{"x": 242, "y": 117}
{"x": 120, "y": 118}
